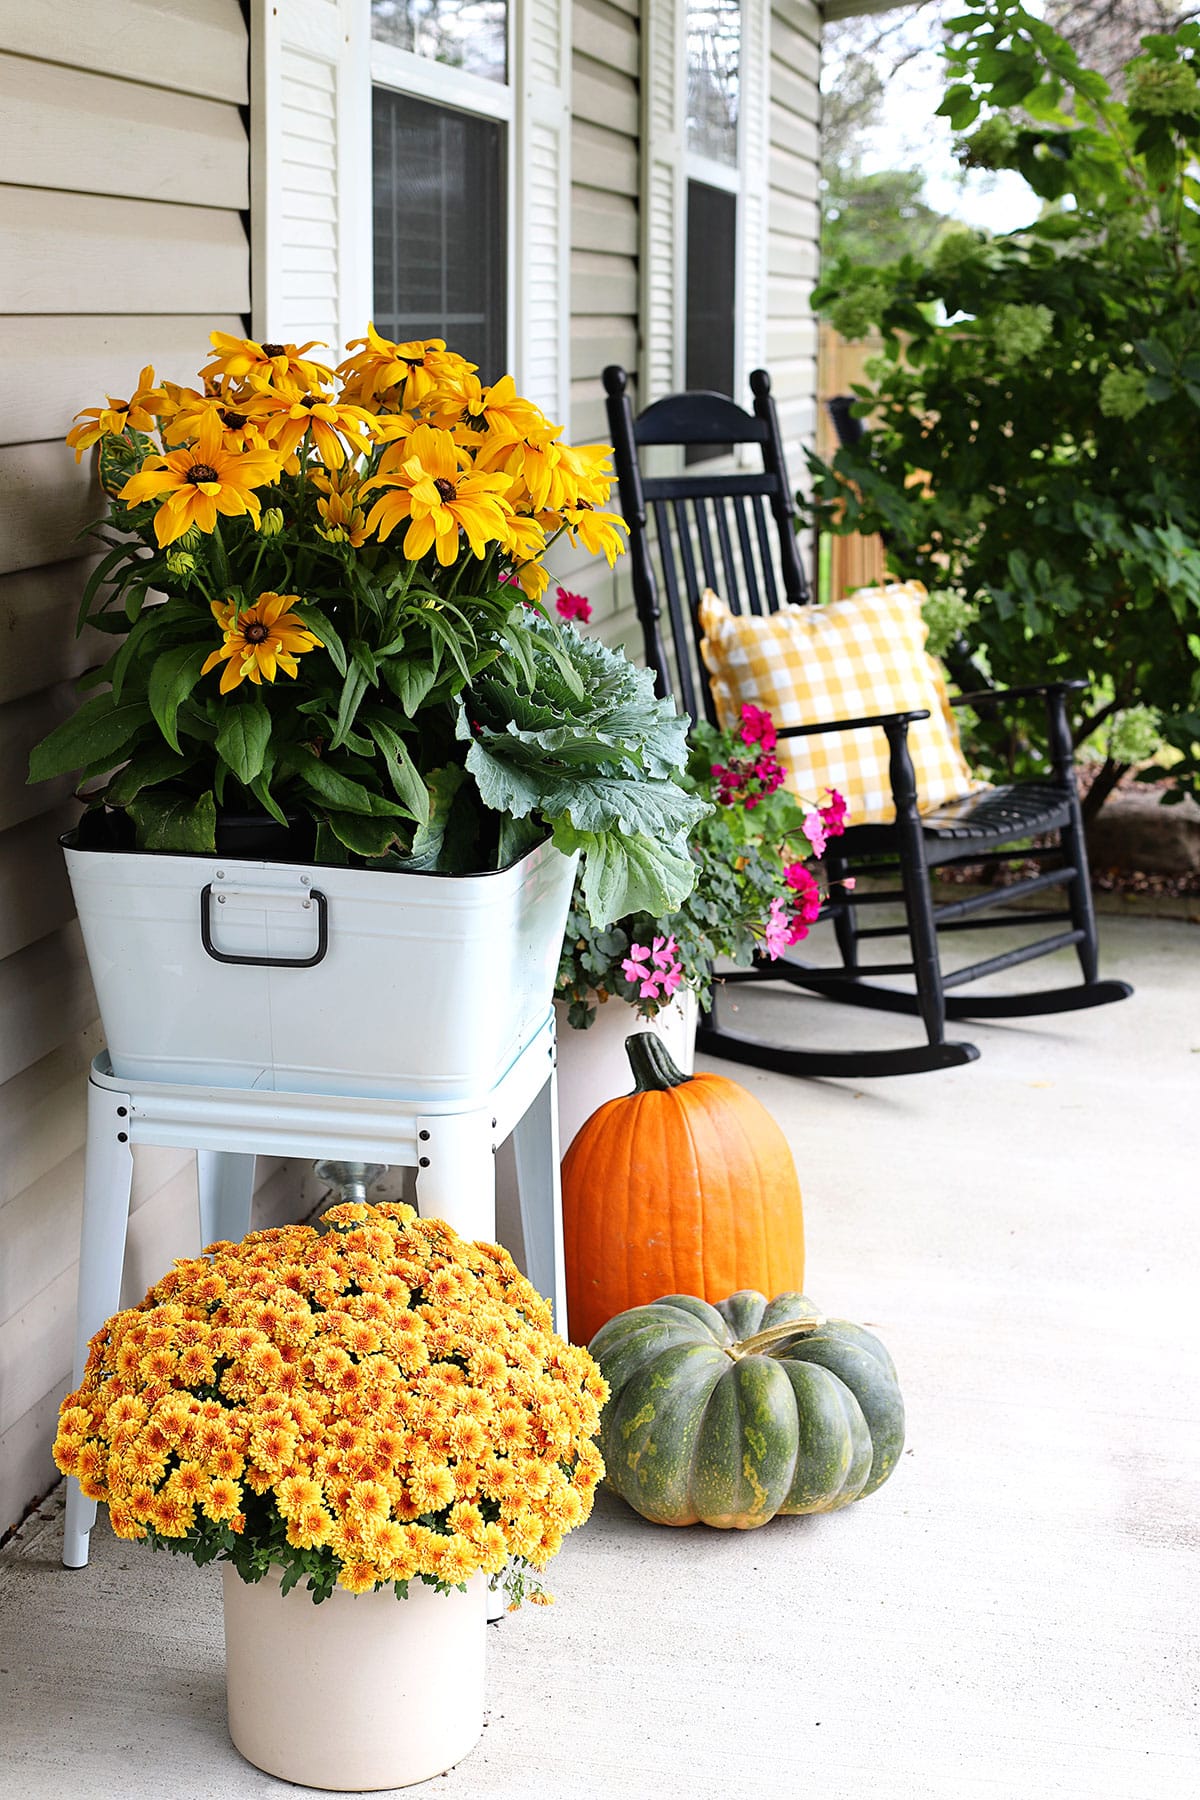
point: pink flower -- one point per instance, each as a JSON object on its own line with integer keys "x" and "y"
{"x": 512, "y": 580}
{"x": 767, "y": 771}
{"x": 573, "y": 606}
{"x": 729, "y": 780}
{"x": 814, "y": 831}
{"x": 833, "y": 814}
{"x": 776, "y": 933}
{"x": 654, "y": 968}
{"x": 809, "y": 894}
{"x": 758, "y": 727}
{"x": 848, "y": 882}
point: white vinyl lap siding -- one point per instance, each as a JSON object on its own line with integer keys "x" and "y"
{"x": 123, "y": 185}
{"x": 606, "y": 50}
{"x": 794, "y": 220}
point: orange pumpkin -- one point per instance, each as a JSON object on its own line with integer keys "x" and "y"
{"x": 685, "y": 1186}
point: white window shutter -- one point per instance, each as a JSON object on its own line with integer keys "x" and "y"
{"x": 543, "y": 205}
{"x": 310, "y": 170}
{"x": 754, "y": 143}
{"x": 663, "y": 200}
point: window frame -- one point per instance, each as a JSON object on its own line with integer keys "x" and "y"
{"x": 457, "y": 90}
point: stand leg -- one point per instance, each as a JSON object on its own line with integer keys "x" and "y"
{"x": 456, "y": 1172}
{"x": 535, "y": 1142}
{"x": 225, "y": 1183}
{"x": 107, "y": 1181}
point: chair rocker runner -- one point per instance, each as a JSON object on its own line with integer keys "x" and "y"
{"x": 701, "y": 530}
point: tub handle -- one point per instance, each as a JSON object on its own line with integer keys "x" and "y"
{"x": 266, "y": 962}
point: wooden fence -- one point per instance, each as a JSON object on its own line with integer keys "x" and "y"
{"x": 843, "y": 563}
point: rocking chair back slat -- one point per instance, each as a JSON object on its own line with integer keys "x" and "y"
{"x": 683, "y": 683}
{"x": 690, "y": 531}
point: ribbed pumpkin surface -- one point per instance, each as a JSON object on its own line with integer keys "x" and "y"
{"x": 725, "y": 1415}
{"x": 685, "y": 1189}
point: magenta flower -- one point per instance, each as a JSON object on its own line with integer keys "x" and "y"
{"x": 833, "y": 814}
{"x": 573, "y": 606}
{"x": 758, "y": 727}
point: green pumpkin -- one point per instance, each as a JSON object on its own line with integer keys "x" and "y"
{"x": 732, "y": 1413}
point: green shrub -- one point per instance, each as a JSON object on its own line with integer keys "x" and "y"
{"x": 1035, "y": 439}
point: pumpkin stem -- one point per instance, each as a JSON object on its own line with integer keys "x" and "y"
{"x": 775, "y": 1334}
{"x": 653, "y": 1069}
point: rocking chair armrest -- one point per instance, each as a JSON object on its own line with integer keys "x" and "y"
{"x": 1033, "y": 689}
{"x": 883, "y": 719}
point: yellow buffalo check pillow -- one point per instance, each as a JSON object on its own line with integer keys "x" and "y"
{"x": 811, "y": 664}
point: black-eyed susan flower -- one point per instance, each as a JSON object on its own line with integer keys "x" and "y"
{"x": 281, "y": 365}
{"x": 192, "y": 485}
{"x": 258, "y": 642}
{"x": 428, "y": 486}
{"x": 315, "y": 419}
{"x": 141, "y": 413}
{"x": 393, "y": 375}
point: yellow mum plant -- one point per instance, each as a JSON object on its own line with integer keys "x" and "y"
{"x": 364, "y": 1405}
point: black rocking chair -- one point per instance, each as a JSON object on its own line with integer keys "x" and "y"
{"x": 712, "y": 530}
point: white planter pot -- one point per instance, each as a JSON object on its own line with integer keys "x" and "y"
{"x": 311, "y": 979}
{"x": 361, "y": 1692}
{"x": 593, "y": 1066}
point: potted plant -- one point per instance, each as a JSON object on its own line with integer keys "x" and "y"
{"x": 372, "y": 1417}
{"x": 332, "y": 680}
{"x": 752, "y": 897}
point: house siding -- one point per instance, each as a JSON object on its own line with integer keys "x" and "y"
{"x": 605, "y": 108}
{"x": 794, "y": 221}
{"x": 123, "y": 180}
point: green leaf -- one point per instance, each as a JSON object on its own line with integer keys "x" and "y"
{"x": 366, "y": 837}
{"x": 341, "y": 792}
{"x": 314, "y": 620}
{"x": 429, "y": 838}
{"x": 243, "y": 736}
{"x": 176, "y": 822}
{"x": 353, "y": 689}
{"x": 627, "y": 875}
{"x": 411, "y": 683}
{"x": 101, "y": 731}
{"x": 148, "y": 767}
{"x": 405, "y": 776}
{"x": 172, "y": 678}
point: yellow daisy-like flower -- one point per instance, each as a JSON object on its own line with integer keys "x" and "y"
{"x": 282, "y": 365}
{"x": 141, "y": 413}
{"x": 528, "y": 457}
{"x": 259, "y": 641}
{"x": 429, "y": 489}
{"x": 193, "y": 485}
{"x": 598, "y": 532}
{"x": 395, "y": 375}
{"x": 343, "y": 519}
{"x": 320, "y": 420}
{"x": 243, "y": 421}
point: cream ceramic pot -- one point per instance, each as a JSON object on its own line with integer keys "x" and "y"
{"x": 593, "y": 1066}
{"x": 359, "y": 1693}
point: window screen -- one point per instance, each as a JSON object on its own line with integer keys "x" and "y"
{"x": 711, "y": 277}
{"x": 439, "y": 228}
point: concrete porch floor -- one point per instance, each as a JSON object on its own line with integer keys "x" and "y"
{"x": 1015, "y": 1613}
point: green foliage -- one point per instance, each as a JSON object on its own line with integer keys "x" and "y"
{"x": 1035, "y": 440}
{"x": 735, "y": 870}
